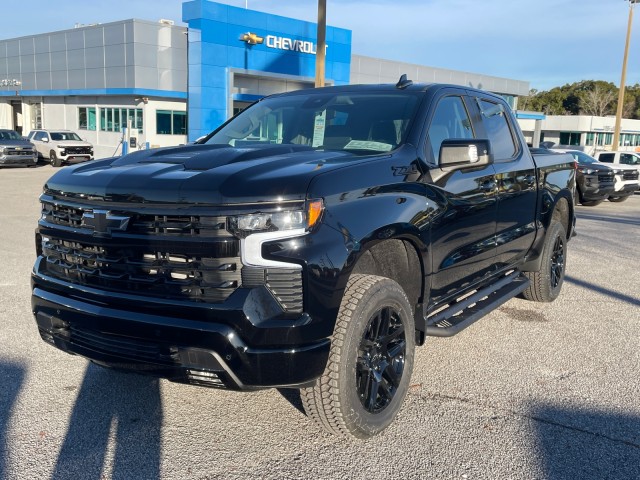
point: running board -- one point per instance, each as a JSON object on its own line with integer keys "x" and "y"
{"x": 459, "y": 315}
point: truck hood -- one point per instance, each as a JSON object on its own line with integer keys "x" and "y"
{"x": 16, "y": 143}
{"x": 71, "y": 143}
{"x": 618, "y": 166}
{"x": 202, "y": 174}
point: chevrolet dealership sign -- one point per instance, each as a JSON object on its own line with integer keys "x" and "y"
{"x": 284, "y": 43}
{"x": 279, "y": 43}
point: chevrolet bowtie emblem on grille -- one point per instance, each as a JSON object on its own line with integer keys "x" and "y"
{"x": 252, "y": 38}
{"x": 103, "y": 222}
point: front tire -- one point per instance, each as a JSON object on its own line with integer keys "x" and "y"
{"x": 618, "y": 199}
{"x": 55, "y": 161}
{"x": 370, "y": 363}
{"x": 546, "y": 283}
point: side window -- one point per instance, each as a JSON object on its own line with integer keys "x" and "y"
{"x": 39, "y": 136}
{"x": 629, "y": 159}
{"x": 606, "y": 157}
{"x": 450, "y": 120}
{"x": 495, "y": 122}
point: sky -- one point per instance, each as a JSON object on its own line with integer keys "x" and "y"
{"x": 548, "y": 43}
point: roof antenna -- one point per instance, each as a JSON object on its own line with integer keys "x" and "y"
{"x": 403, "y": 82}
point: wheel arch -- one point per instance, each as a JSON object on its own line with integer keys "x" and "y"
{"x": 563, "y": 210}
{"x": 398, "y": 259}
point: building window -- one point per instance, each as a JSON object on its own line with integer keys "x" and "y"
{"x": 36, "y": 116}
{"x": 171, "y": 122}
{"x": 86, "y": 118}
{"x": 115, "y": 119}
{"x": 590, "y": 138}
{"x": 569, "y": 138}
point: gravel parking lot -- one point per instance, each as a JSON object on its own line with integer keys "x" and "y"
{"x": 546, "y": 391}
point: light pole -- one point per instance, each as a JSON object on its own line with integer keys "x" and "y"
{"x": 616, "y": 132}
{"x": 322, "y": 43}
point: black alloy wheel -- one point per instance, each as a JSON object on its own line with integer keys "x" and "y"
{"x": 381, "y": 359}
{"x": 557, "y": 262}
{"x": 546, "y": 283}
{"x": 370, "y": 363}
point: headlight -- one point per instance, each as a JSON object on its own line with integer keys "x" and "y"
{"x": 243, "y": 225}
{"x": 586, "y": 170}
{"x": 3, "y": 150}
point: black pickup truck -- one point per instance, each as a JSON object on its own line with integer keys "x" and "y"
{"x": 312, "y": 242}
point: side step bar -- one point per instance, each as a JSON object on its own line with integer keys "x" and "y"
{"x": 459, "y": 315}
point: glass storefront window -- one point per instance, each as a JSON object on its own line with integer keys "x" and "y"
{"x": 171, "y": 122}
{"x": 86, "y": 118}
{"x": 115, "y": 119}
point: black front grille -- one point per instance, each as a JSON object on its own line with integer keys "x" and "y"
{"x": 630, "y": 175}
{"x": 606, "y": 178}
{"x": 123, "y": 347}
{"x": 142, "y": 224}
{"x": 28, "y": 152}
{"x": 144, "y": 270}
{"x": 176, "y": 225}
{"x": 78, "y": 150}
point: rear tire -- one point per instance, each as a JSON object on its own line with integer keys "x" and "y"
{"x": 546, "y": 283}
{"x": 55, "y": 161}
{"x": 372, "y": 348}
{"x": 618, "y": 199}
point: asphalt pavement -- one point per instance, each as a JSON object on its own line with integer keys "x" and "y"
{"x": 531, "y": 391}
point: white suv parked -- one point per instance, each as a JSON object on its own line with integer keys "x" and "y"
{"x": 61, "y": 146}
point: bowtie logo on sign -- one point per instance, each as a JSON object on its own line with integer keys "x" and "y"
{"x": 252, "y": 38}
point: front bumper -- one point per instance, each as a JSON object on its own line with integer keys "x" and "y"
{"x": 625, "y": 190}
{"x": 597, "y": 191}
{"x": 75, "y": 158}
{"x": 232, "y": 345}
{"x": 18, "y": 161}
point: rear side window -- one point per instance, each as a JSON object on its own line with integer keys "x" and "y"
{"x": 494, "y": 119}
{"x": 450, "y": 120}
{"x": 629, "y": 159}
{"x": 606, "y": 157}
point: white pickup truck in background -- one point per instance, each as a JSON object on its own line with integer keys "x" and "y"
{"x": 627, "y": 170}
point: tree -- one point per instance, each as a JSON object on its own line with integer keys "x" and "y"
{"x": 597, "y": 97}
{"x": 587, "y": 97}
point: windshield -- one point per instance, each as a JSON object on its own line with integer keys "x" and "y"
{"x": 9, "y": 135}
{"x": 64, "y": 136}
{"x": 583, "y": 157}
{"x": 356, "y": 122}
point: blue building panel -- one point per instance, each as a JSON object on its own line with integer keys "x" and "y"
{"x": 250, "y": 18}
{"x": 285, "y": 46}
{"x": 215, "y": 54}
{"x": 214, "y": 32}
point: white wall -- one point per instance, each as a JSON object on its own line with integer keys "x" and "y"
{"x": 62, "y": 113}
{"x": 6, "y": 115}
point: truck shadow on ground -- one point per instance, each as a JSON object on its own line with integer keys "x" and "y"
{"x": 605, "y": 291}
{"x": 116, "y": 420}
{"x": 292, "y": 395}
{"x": 586, "y": 444}
{"x": 606, "y": 218}
{"x": 11, "y": 380}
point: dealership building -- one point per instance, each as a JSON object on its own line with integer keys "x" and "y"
{"x": 172, "y": 84}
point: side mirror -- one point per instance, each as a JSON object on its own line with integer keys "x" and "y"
{"x": 45, "y": 140}
{"x": 459, "y": 153}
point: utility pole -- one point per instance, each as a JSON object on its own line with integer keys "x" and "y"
{"x": 321, "y": 48}
{"x": 616, "y": 132}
